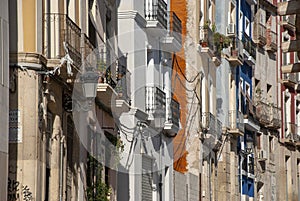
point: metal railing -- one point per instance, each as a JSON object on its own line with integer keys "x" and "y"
{"x": 218, "y": 128}
{"x": 275, "y": 116}
{"x": 155, "y": 100}
{"x": 292, "y": 77}
{"x": 236, "y": 51}
{"x": 291, "y": 128}
{"x": 259, "y": 33}
{"x": 208, "y": 122}
{"x": 263, "y": 112}
{"x": 211, "y": 124}
{"x": 123, "y": 81}
{"x": 175, "y": 111}
{"x": 175, "y": 26}
{"x": 271, "y": 39}
{"x": 156, "y": 11}
{"x": 206, "y": 37}
{"x": 289, "y": 19}
{"x": 249, "y": 45}
{"x": 88, "y": 46}
{"x": 236, "y": 120}
{"x": 59, "y": 28}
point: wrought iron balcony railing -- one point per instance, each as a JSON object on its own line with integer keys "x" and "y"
{"x": 175, "y": 111}
{"x": 88, "y": 47}
{"x": 291, "y": 134}
{"x": 271, "y": 40}
{"x": 289, "y": 23}
{"x": 209, "y": 122}
{"x": 218, "y": 129}
{"x": 249, "y": 45}
{"x": 123, "y": 83}
{"x": 236, "y": 120}
{"x": 59, "y": 28}
{"x": 236, "y": 56}
{"x": 155, "y": 102}
{"x": 156, "y": 11}
{"x": 275, "y": 117}
{"x": 259, "y": 33}
{"x": 206, "y": 38}
{"x": 175, "y": 26}
{"x": 290, "y": 79}
{"x": 263, "y": 112}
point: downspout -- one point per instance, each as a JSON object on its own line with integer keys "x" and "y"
{"x": 161, "y": 170}
{"x": 61, "y": 168}
{"x": 240, "y": 162}
{"x": 209, "y": 178}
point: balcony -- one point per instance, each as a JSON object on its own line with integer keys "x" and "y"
{"x": 291, "y": 136}
{"x": 269, "y": 5}
{"x": 289, "y": 79}
{"x": 288, "y": 8}
{"x": 249, "y": 111}
{"x": 123, "y": 89}
{"x": 275, "y": 118}
{"x": 271, "y": 44}
{"x": 259, "y": 33}
{"x": 251, "y": 2}
{"x": 236, "y": 123}
{"x": 208, "y": 123}
{"x": 156, "y": 14}
{"x": 59, "y": 28}
{"x": 172, "y": 42}
{"x": 263, "y": 112}
{"x": 106, "y": 86}
{"x": 207, "y": 40}
{"x": 212, "y": 129}
{"x": 289, "y": 23}
{"x": 235, "y": 57}
{"x": 249, "y": 50}
{"x": 291, "y": 46}
{"x": 87, "y": 49}
{"x": 172, "y": 124}
{"x": 290, "y": 68}
{"x": 155, "y": 106}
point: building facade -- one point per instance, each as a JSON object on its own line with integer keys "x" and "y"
{"x": 53, "y": 153}
{"x": 4, "y": 90}
{"x": 288, "y": 62}
{"x": 194, "y": 100}
{"x": 147, "y": 130}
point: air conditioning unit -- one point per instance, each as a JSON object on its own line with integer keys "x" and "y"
{"x": 231, "y": 29}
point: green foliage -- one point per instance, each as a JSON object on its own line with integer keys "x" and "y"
{"x": 96, "y": 189}
{"x": 99, "y": 191}
{"x": 115, "y": 148}
{"x": 221, "y": 41}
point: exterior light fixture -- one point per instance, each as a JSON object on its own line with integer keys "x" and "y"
{"x": 89, "y": 83}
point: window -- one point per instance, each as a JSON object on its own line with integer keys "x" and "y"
{"x": 240, "y": 24}
{"x": 247, "y": 26}
{"x": 147, "y": 178}
{"x": 258, "y": 140}
{"x": 270, "y": 144}
{"x": 269, "y": 93}
{"x": 231, "y": 13}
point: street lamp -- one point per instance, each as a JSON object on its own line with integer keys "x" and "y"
{"x": 89, "y": 83}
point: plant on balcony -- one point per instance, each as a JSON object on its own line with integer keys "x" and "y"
{"x": 220, "y": 41}
{"x": 96, "y": 189}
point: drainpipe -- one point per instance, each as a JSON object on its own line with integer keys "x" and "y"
{"x": 209, "y": 178}
{"x": 61, "y": 168}
{"x": 240, "y": 162}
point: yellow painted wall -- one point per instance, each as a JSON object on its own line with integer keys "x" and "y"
{"x": 29, "y": 25}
